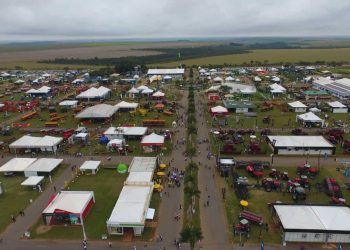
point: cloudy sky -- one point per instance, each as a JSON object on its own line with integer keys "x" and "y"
{"x": 74, "y": 19}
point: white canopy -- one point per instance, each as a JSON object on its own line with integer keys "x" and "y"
{"x": 32, "y": 181}
{"x": 158, "y": 94}
{"x": 152, "y": 140}
{"x": 219, "y": 109}
{"x": 139, "y": 178}
{"x": 143, "y": 164}
{"x": 297, "y": 104}
{"x": 147, "y": 91}
{"x": 90, "y": 165}
{"x": 133, "y": 90}
{"x": 94, "y": 93}
{"x": 257, "y": 79}
{"x": 166, "y": 72}
{"x": 228, "y": 79}
{"x": 28, "y": 141}
{"x": 167, "y": 77}
{"x": 101, "y": 111}
{"x": 336, "y": 104}
{"x": 276, "y": 88}
{"x": 217, "y": 79}
{"x": 17, "y": 164}
{"x": 126, "y": 105}
{"x": 276, "y": 79}
{"x": 46, "y": 165}
{"x": 42, "y": 90}
{"x": 128, "y": 131}
{"x": 70, "y": 103}
{"x": 19, "y": 81}
{"x": 315, "y": 110}
{"x": 299, "y": 141}
{"x": 142, "y": 87}
{"x": 309, "y": 117}
{"x": 314, "y": 217}
{"x": 116, "y": 143}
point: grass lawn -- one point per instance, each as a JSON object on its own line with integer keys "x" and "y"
{"x": 259, "y": 200}
{"x": 106, "y": 184}
{"x": 16, "y": 197}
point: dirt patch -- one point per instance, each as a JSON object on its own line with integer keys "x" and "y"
{"x": 42, "y": 229}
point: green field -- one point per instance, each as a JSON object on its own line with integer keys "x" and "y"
{"x": 269, "y": 55}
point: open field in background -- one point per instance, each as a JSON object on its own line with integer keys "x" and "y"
{"x": 27, "y": 57}
{"x": 271, "y": 55}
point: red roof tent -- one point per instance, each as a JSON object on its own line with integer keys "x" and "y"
{"x": 213, "y": 97}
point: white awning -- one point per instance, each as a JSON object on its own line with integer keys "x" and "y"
{"x": 33, "y": 181}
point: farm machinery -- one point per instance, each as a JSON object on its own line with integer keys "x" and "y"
{"x": 297, "y": 191}
{"x": 255, "y": 170}
{"x": 240, "y": 185}
{"x": 242, "y": 228}
{"x": 270, "y": 184}
{"x": 307, "y": 170}
{"x": 278, "y": 175}
{"x": 298, "y": 131}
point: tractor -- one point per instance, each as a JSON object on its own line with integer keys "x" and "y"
{"x": 307, "y": 170}
{"x": 6, "y": 131}
{"x": 242, "y": 228}
{"x": 303, "y": 180}
{"x": 269, "y": 184}
{"x": 254, "y": 147}
{"x": 255, "y": 170}
{"x": 278, "y": 175}
{"x": 240, "y": 185}
{"x": 332, "y": 187}
{"x": 298, "y": 192}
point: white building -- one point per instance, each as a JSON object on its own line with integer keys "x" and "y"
{"x": 300, "y": 145}
{"x": 44, "y": 144}
{"x": 298, "y": 106}
{"x": 95, "y": 93}
{"x": 310, "y": 120}
{"x": 125, "y": 132}
{"x": 337, "y": 107}
{"x": 313, "y": 223}
{"x": 339, "y": 88}
{"x": 175, "y": 73}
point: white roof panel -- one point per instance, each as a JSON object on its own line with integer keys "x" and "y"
{"x": 336, "y": 104}
{"x": 313, "y": 217}
{"x": 166, "y": 71}
{"x": 44, "y": 165}
{"x": 17, "y": 164}
{"x": 90, "y": 165}
{"x": 143, "y": 164}
{"x": 300, "y": 141}
{"x": 142, "y": 178}
{"x": 297, "y": 104}
{"x": 98, "y": 111}
{"x": 32, "y": 181}
{"x": 310, "y": 117}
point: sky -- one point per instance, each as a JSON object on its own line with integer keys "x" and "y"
{"x": 76, "y": 19}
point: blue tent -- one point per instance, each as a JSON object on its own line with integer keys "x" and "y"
{"x": 104, "y": 140}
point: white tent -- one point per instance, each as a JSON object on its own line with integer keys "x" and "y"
{"x": 147, "y": 91}
{"x": 42, "y": 90}
{"x": 142, "y": 87}
{"x": 152, "y": 140}
{"x": 32, "y": 181}
{"x": 100, "y": 111}
{"x": 46, "y": 143}
{"x": 219, "y": 110}
{"x": 158, "y": 94}
{"x": 133, "y": 90}
{"x": 310, "y": 117}
{"x": 139, "y": 178}
{"x": 115, "y": 143}
{"x": 17, "y": 164}
{"x": 277, "y": 89}
{"x": 42, "y": 165}
{"x": 19, "y": 81}
{"x": 121, "y": 132}
{"x": 257, "y": 79}
{"x": 94, "y": 93}
{"x": 92, "y": 166}
{"x": 315, "y": 110}
{"x": 276, "y": 79}
{"x": 69, "y": 103}
{"x": 229, "y": 79}
{"x": 143, "y": 164}
{"x": 218, "y": 79}
{"x": 126, "y": 105}
{"x": 167, "y": 77}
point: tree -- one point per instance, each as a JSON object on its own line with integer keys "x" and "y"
{"x": 191, "y": 234}
{"x": 192, "y": 191}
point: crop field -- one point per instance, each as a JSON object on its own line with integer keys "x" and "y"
{"x": 270, "y": 56}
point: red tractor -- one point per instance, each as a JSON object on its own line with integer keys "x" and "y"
{"x": 278, "y": 175}
{"x": 254, "y": 147}
{"x": 242, "y": 228}
{"x": 269, "y": 184}
{"x": 255, "y": 170}
{"x": 307, "y": 170}
{"x": 298, "y": 192}
{"x": 303, "y": 180}
{"x": 332, "y": 187}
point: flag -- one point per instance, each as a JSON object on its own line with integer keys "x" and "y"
{"x": 340, "y": 247}
{"x": 262, "y": 245}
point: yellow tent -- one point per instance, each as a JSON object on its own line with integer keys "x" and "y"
{"x": 244, "y": 203}
{"x": 162, "y": 166}
{"x": 160, "y": 173}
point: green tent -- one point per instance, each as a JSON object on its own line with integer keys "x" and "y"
{"x": 122, "y": 168}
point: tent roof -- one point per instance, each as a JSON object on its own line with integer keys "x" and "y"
{"x": 17, "y": 164}
{"x": 32, "y": 181}
{"x": 276, "y": 88}
{"x": 219, "y": 109}
{"x": 90, "y": 165}
{"x": 97, "y": 111}
{"x": 133, "y": 90}
{"x": 336, "y": 104}
{"x": 152, "y": 140}
{"x": 147, "y": 91}
{"x": 314, "y": 217}
{"x": 124, "y": 104}
{"x": 300, "y": 141}
{"x": 297, "y": 104}
{"x": 44, "y": 165}
{"x": 139, "y": 178}
{"x": 166, "y": 71}
{"x": 94, "y": 92}
{"x": 310, "y": 117}
{"x": 70, "y": 201}
{"x": 143, "y": 164}
{"x": 131, "y": 206}
{"x": 68, "y": 103}
{"x": 28, "y": 141}
{"x": 126, "y": 131}
{"x": 158, "y": 94}
{"x": 42, "y": 90}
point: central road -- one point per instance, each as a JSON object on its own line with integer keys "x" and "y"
{"x": 213, "y": 216}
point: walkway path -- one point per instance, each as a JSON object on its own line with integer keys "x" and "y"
{"x": 213, "y": 217}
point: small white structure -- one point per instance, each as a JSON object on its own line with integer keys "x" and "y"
{"x": 298, "y": 106}
{"x": 337, "y": 107}
{"x": 300, "y": 145}
{"x": 218, "y": 79}
{"x": 313, "y": 223}
{"x": 257, "y": 79}
{"x": 310, "y": 119}
{"x": 33, "y": 181}
{"x": 43, "y": 166}
{"x": 116, "y": 144}
{"x": 44, "y": 144}
{"x": 130, "y": 210}
{"x": 158, "y": 94}
{"x": 126, "y": 106}
{"x": 219, "y": 110}
{"x": 277, "y": 89}
{"x": 92, "y": 166}
{"x": 152, "y": 140}
{"x": 127, "y": 132}
{"x": 68, "y": 104}
{"x": 44, "y": 90}
{"x": 100, "y": 111}
{"x": 175, "y": 73}
{"x": 17, "y": 165}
